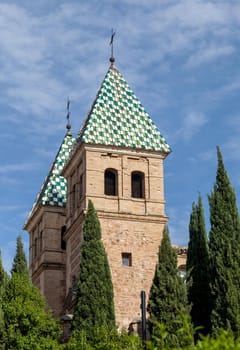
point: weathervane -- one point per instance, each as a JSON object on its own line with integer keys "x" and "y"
{"x": 68, "y": 126}
{"x": 112, "y": 59}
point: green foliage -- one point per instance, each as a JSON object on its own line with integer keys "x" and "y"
{"x": 24, "y": 322}
{"x": 224, "y": 245}
{"x": 223, "y": 340}
{"x": 198, "y": 283}
{"x": 27, "y": 324}
{"x": 3, "y": 281}
{"x": 2, "y": 273}
{"x": 103, "y": 339}
{"x": 20, "y": 262}
{"x": 94, "y": 302}
{"x": 168, "y": 297}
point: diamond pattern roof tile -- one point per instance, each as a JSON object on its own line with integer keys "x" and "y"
{"x": 54, "y": 188}
{"x": 118, "y": 118}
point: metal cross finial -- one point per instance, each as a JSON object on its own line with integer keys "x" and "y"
{"x": 68, "y": 126}
{"x": 112, "y": 59}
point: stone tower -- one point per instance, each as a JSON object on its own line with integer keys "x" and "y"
{"x": 117, "y": 162}
{"x": 46, "y": 226}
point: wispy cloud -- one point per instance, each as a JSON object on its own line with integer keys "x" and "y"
{"x": 8, "y": 168}
{"x": 26, "y": 64}
{"x": 192, "y": 123}
{"x": 34, "y": 46}
{"x": 53, "y": 49}
{"x": 232, "y": 86}
{"x": 11, "y": 207}
{"x": 205, "y": 156}
{"x": 208, "y": 155}
{"x": 6, "y": 180}
{"x": 231, "y": 148}
{"x": 178, "y": 226}
{"x": 208, "y": 54}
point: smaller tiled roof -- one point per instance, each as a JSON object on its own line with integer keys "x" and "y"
{"x": 54, "y": 189}
{"x": 118, "y": 118}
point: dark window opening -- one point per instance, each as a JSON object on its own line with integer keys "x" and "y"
{"x": 81, "y": 187}
{"x": 35, "y": 247}
{"x": 137, "y": 184}
{"x": 73, "y": 199}
{"x": 63, "y": 242}
{"x": 110, "y": 182}
{"x": 127, "y": 259}
{"x": 41, "y": 241}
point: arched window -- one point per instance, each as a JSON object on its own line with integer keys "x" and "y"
{"x": 41, "y": 241}
{"x": 81, "y": 187}
{"x": 35, "y": 247}
{"x": 63, "y": 242}
{"x": 110, "y": 182}
{"x": 73, "y": 199}
{"x": 138, "y": 184}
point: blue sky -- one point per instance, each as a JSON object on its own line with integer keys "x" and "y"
{"x": 181, "y": 58}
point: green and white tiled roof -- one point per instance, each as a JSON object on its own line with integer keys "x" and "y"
{"x": 118, "y": 118}
{"x": 54, "y": 189}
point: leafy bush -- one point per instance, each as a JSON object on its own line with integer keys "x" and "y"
{"x": 26, "y": 323}
{"x": 224, "y": 340}
{"x": 103, "y": 339}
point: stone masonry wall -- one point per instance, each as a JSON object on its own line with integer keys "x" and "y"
{"x": 129, "y": 225}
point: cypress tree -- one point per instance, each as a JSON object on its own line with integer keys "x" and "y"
{"x": 168, "y": 297}
{"x": 224, "y": 252}
{"x": 3, "y": 280}
{"x": 198, "y": 284}
{"x": 94, "y": 305}
{"x": 20, "y": 262}
{"x": 3, "y": 276}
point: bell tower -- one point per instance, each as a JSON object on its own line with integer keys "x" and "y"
{"x": 117, "y": 162}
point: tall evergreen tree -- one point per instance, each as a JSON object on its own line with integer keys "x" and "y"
{"x": 224, "y": 252}
{"x": 168, "y": 296}
{"x": 3, "y": 276}
{"x": 3, "y": 281}
{"x": 94, "y": 301}
{"x": 199, "y": 294}
{"x": 20, "y": 265}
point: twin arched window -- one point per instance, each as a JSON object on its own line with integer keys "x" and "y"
{"x": 111, "y": 183}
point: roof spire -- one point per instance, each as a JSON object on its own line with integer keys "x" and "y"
{"x": 112, "y": 59}
{"x": 68, "y": 126}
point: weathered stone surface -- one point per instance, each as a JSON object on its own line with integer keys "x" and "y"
{"x": 131, "y": 226}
